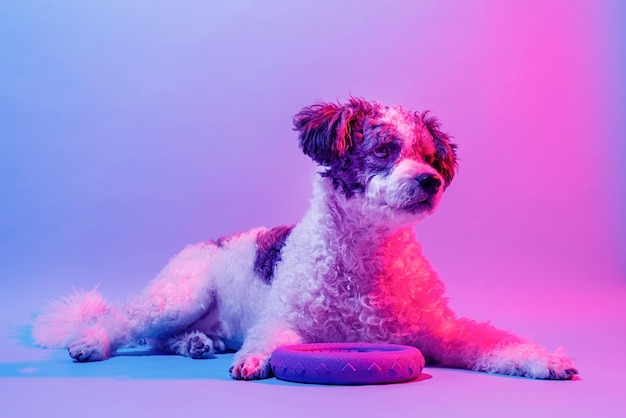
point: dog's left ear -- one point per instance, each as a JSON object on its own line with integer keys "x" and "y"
{"x": 445, "y": 161}
{"x": 328, "y": 130}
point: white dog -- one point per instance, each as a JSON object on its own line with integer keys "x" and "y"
{"x": 350, "y": 271}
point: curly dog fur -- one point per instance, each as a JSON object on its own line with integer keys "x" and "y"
{"x": 350, "y": 270}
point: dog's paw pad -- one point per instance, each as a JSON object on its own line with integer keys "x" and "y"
{"x": 199, "y": 346}
{"x": 562, "y": 374}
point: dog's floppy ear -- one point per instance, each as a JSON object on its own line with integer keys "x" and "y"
{"x": 327, "y": 130}
{"x": 445, "y": 161}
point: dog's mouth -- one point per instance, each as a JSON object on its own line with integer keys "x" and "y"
{"x": 419, "y": 205}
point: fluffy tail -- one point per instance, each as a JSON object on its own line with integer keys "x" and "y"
{"x": 76, "y": 316}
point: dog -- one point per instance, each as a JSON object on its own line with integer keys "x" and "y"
{"x": 350, "y": 271}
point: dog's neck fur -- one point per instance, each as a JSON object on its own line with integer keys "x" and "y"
{"x": 359, "y": 254}
{"x": 353, "y": 227}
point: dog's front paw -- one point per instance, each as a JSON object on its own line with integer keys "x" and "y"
{"x": 89, "y": 349}
{"x": 559, "y": 366}
{"x": 248, "y": 367}
{"x": 199, "y": 346}
{"x": 528, "y": 360}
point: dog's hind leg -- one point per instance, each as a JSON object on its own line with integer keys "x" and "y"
{"x": 92, "y": 330}
{"x": 194, "y": 344}
{"x": 182, "y": 293}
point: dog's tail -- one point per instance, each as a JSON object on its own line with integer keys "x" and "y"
{"x": 74, "y": 316}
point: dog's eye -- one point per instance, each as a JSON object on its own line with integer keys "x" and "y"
{"x": 381, "y": 151}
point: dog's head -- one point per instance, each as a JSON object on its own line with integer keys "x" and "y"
{"x": 391, "y": 157}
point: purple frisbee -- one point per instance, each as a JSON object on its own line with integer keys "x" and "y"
{"x": 347, "y": 363}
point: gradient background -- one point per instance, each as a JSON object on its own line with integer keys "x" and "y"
{"x": 129, "y": 129}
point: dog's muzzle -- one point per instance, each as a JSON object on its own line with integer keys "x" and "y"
{"x": 423, "y": 193}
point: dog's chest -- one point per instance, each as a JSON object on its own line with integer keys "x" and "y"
{"x": 372, "y": 298}
{"x": 346, "y": 311}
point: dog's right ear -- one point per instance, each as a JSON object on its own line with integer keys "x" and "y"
{"x": 326, "y": 130}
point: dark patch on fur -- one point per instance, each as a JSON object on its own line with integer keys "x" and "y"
{"x": 269, "y": 245}
{"x": 328, "y": 130}
{"x": 333, "y": 136}
{"x": 225, "y": 240}
{"x": 345, "y": 176}
{"x": 445, "y": 160}
{"x": 222, "y": 241}
{"x": 350, "y": 174}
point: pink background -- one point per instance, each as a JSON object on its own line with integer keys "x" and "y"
{"x": 130, "y": 129}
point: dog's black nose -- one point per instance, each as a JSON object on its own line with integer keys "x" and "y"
{"x": 429, "y": 183}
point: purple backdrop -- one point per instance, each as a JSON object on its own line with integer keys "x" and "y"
{"x": 132, "y": 129}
